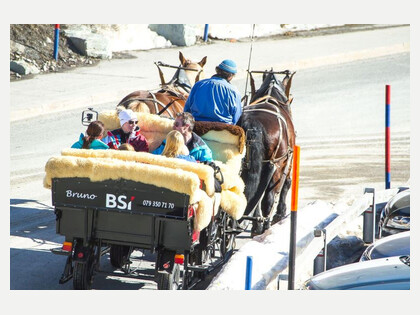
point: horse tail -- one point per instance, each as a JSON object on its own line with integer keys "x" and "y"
{"x": 251, "y": 174}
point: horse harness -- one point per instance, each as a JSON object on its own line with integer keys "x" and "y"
{"x": 273, "y": 160}
{"x": 156, "y": 102}
{"x": 168, "y": 88}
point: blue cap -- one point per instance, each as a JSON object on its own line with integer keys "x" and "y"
{"x": 228, "y": 66}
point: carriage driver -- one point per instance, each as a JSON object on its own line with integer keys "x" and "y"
{"x": 128, "y": 133}
{"x": 216, "y": 99}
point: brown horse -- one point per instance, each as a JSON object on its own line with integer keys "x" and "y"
{"x": 170, "y": 98}
{"x": 268, "y": 124}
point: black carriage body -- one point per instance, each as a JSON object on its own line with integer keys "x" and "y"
{"x": 121, "y": 212}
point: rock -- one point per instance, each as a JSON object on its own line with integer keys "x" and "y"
{"x": 177, "y": 34}
{"x": 92, "y": 45}
{"x": 344, "y": 250}
{"x": 16, "y": 47}
{"x": 23, "y": 68}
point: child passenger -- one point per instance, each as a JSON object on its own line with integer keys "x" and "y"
{"x": 175, "y": 147}
{"x": 92, "y": 140}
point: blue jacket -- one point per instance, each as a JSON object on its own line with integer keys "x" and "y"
{"x": 214, "y": 99}
{"x": 95, "y": 145}
{"x": 197, "y": 147}
{"x": 188, "y": 158}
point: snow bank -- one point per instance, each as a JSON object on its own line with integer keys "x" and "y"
{"x": 237, "y": 31}
{"x": 125, "y": 37}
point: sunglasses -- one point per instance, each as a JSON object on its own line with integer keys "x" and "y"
{"x": 131, "y": 122}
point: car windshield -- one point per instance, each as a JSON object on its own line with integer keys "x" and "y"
{"x": 405, "y": 260}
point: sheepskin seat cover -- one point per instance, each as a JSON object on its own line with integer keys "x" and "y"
{"x": 100, "y": 169}
{"x": 227, "y": 143}
{"x": 204, "y": 172}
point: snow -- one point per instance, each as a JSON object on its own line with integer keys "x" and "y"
{"x": 237, "y": 31}
{"x": 123, "y": 37}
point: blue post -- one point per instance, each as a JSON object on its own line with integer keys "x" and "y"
{"x": 248, "y": 273}
{"x": 206, "y": 32}
{"x": 56, "y": 39}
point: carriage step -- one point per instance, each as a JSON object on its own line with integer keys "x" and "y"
{"x": 60, "y": 251}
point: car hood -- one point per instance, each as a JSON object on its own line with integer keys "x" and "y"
{"x": 395, "y": 245}
{"x": 388, "y": 273}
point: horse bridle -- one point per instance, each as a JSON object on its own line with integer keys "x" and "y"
{"x": 161, "y": 64}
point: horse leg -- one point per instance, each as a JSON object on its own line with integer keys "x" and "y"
{"x": 267, "y": 204}
{"x": 282, "y": 207}
{"x": 257, "y": 225}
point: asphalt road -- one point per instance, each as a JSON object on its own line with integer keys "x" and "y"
{"x": 339, "y": 115}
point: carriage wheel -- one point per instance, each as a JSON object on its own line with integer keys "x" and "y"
{"x": 170, "y": 281}
{"x": 83, "y": 273}
{"x": 119, "y": 255}
{"x": 227, "y": 239}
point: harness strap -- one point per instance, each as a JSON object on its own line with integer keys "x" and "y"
{"x": 266, "y": 99}
{"x": 280, "y": 118}
{"x": 166, "y": 107}
{"x": 153, "y": 99}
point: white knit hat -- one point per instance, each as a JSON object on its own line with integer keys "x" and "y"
{"x": 126, "y": 115}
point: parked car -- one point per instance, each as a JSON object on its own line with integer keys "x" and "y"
{"x": 392, "y": 273}
{"x": 395, "y": 216}
{"x": 393, "y": 245}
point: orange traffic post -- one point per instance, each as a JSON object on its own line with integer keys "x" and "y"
{"x": 295, "y": 177}
{"x": 293, "y": 217}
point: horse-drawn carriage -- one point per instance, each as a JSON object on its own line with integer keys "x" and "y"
{"x": 110, "y": 201}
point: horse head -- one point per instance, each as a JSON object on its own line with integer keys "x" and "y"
{"x": 189, "y": 73}
{"x": 275, "y": 88}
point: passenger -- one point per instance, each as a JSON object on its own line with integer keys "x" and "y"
{"x": 92, "y": 139}
{"x": 128, "y": 133}
{"x": 175, "y": 147}
{"x": 184, "y": 123}
{"x": 216, "y": 99}
{"x": 126, "y": 147}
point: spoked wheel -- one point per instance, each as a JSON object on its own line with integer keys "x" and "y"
{"x": 83, "y": 273}
{"x": 170, "y": 281}
{"x": 119, "y": 255}
{"x": 227, "y": 235}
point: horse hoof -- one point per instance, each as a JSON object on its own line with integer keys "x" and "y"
{"x": 276, "y": 218}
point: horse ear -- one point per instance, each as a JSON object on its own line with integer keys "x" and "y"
{"x": 203, "y": 62}
{"x": 181, "y": 58}
{"x": 287, "y": 82}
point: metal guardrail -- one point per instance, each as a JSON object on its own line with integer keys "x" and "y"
{"x": 311, "y": 258}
